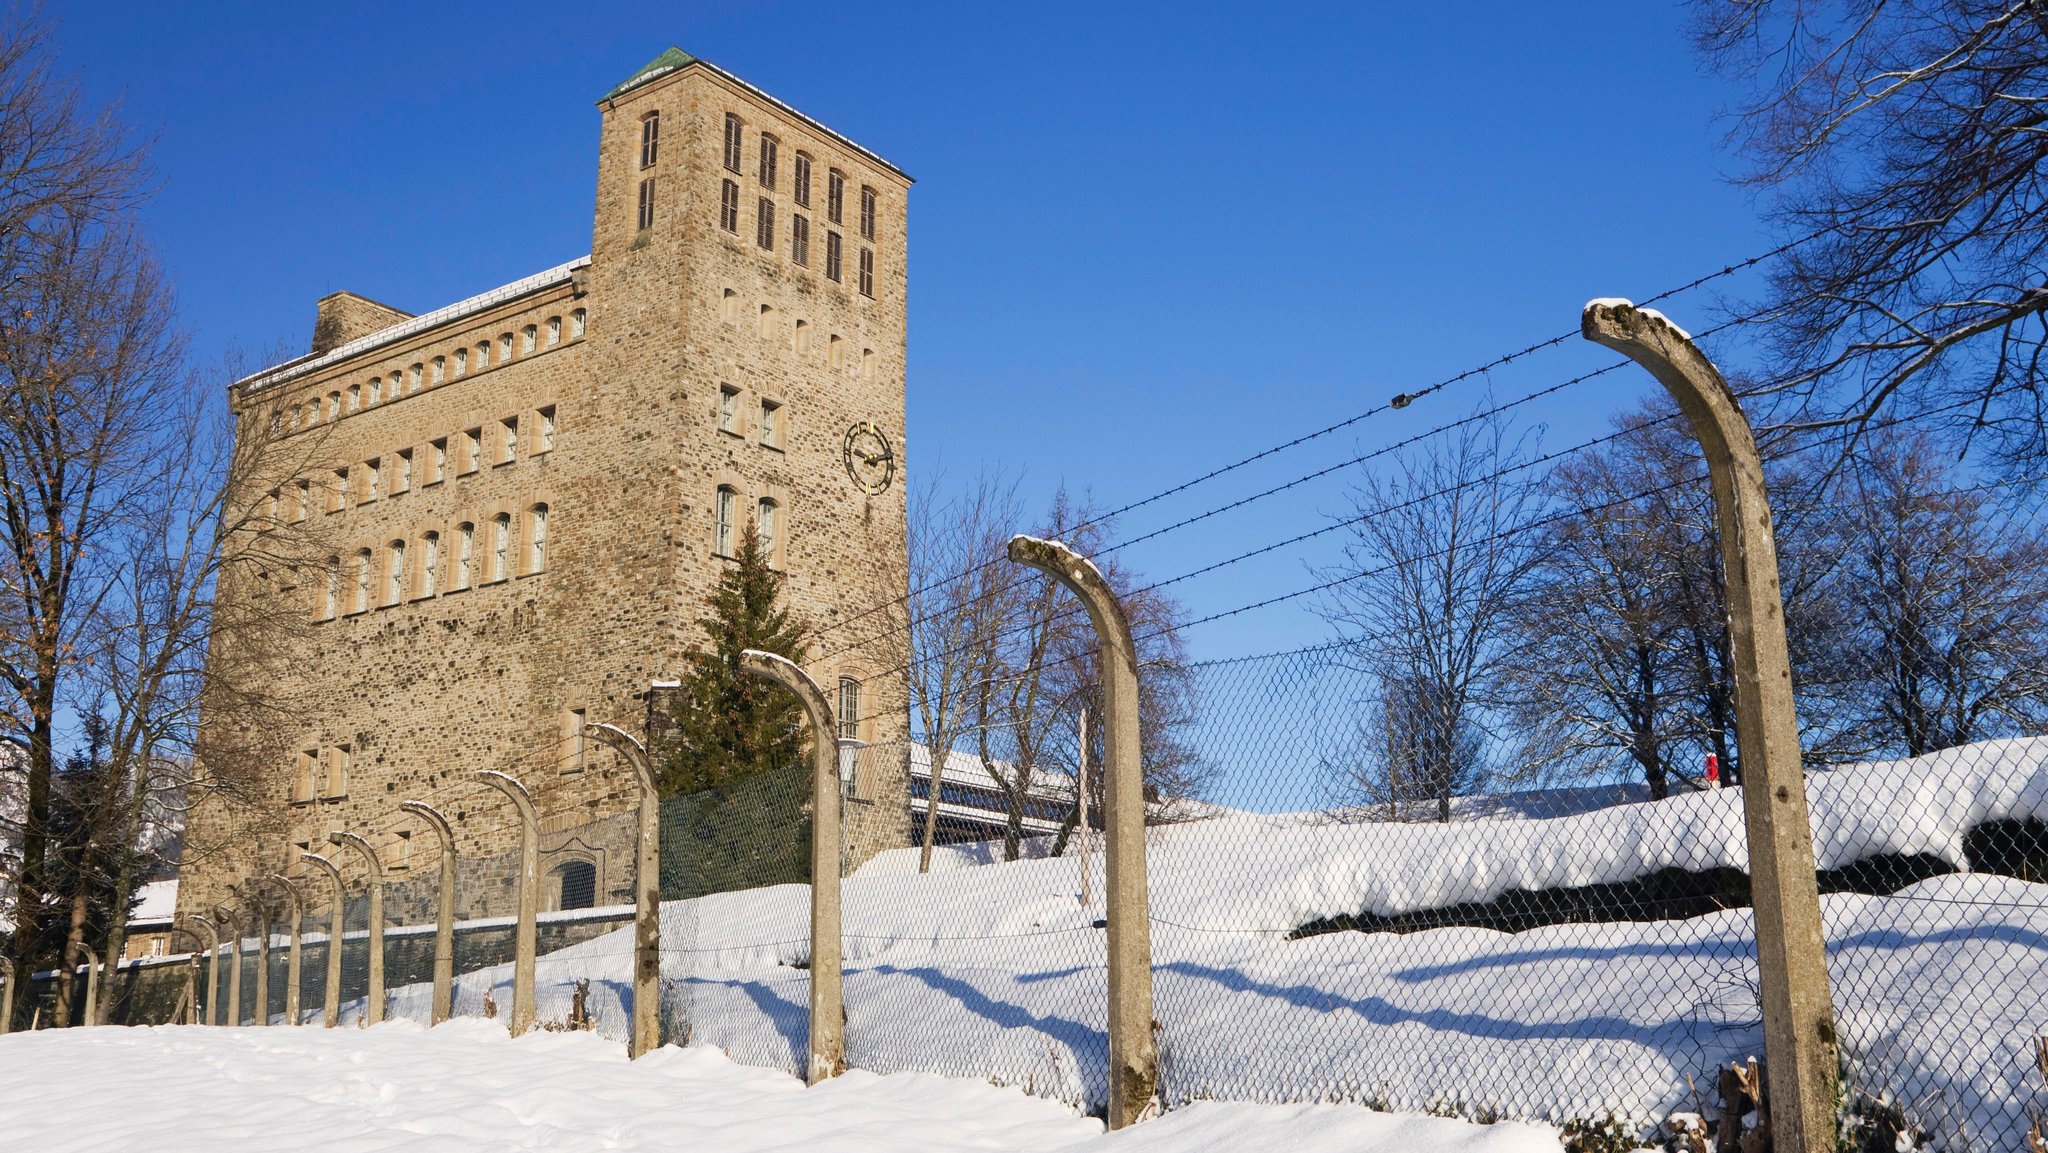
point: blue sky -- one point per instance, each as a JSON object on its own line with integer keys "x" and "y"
{"x": 1146, "y": 239}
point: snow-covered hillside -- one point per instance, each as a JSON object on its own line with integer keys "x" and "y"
{"x": 996, "y": 971}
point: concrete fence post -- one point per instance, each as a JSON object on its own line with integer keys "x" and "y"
{"x": 330, "y": 1010}
{"x": 6, "y": 996}
{"x": 444, "y": 913}
{"x": 828, "y": 1009}
{"x": 291, "y": 962}
{"x": 262, "y": 965}
{"x": 234, "y": 959}
{"x": 524, "y": 939}
{"x": 1799, "y": 1025}
{"x": 211, "y": 942}
{"x": 1133, "y": 1051}
{"x": 646, "y": 891}
{"x": 374, "y": 1004}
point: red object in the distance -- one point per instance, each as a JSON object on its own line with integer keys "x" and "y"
{"x": 1713, "y": 771}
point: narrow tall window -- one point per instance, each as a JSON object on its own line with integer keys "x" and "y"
{"x": 729, "y": 410}
{"x": 401, "y": 476}
{"x": 554, "y": 331}
{"x": 771, "y": 424}
{"x": 729, "y": 305}
{"x": 301, "y": 505}
{"x": 764, "y": 224}
{"x": 647, "y": 203}
{"x": 537, "y": 538}
{"x": 650, "y": 138}
{"x": 768, "y": 149}
{"x": 803, "y": 336}
{"x": 765, "y": 329}
{"x": 483, "y": 356}
{"x": 363, "y": 564}
{"x": 334, "y": 405}
{"x": 867, "y": 212}
{"x": 461, "y": 361}
{"x": 849, "y": 709}
{"x": 472, "y": 451}
{"x": 504, "y": 347}
{"x": 337, "y": 495}
{"x": 867, "y": 272}
{"x": 465, "y": 555}
{"x": 732, "y": 142}
{"x": 832, "y": 256}
{"x": 802, "y": 172}
{"x": 867, "y": 364}
{"x": 729, "y": 206}
{"x": 574, "y": 751}
{"x": 302, "y": 785}
{"x": 437, "y": 461}
{"x": 526, "y": 338}
{"x": 337, "y": 772}
{"x": 508, "y": 440}
{"x": 547, "y": 429}
{"x": 835, "y": 352}
{"x": 721, "y": 542}
{"x": 430, "y": 564}
{"x": 394, "y": 573}
{"x": 440, "y": 369}
{"x": 376, "y": 389}
{"x": 355, "y": 397}
{"x": 332, "y": 605}
{"x": 413, "y": 374}
{"x": 501, "y": 546}
{"x": 765, "y": 526}
{"x": 799, "y": 239}
{"x": 373, "y": 478}
{"x": 835, "y": 196}
{"x": 576, "y": 321}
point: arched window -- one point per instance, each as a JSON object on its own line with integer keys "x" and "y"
{"x": 430, "y": 564}
{"x": 765, "y": 526}
{"x": 355, "y": 397}
{"x": 504, "y": 347}
{"x": 729, "y": 305}
{"x": 554, "y": 331}
{"x": 501, "y": 546}
{"x": 849, "y": 708}
{"x": 415, "y": 373}
{"x": 465, "y": 555}
{"x": 767, "y": 170}
{"x": 394, "y": 572}
{"x": 333, "y": 602}
{"x": 334, "y": 405}
{"x": 461, "y": 361}
{"x": 650, "y": 139}
{"x": 767, "y": 322}
{"x": 867, "y": 212}
{"x": 803, "y": 336}
{"x": 802, "y": 191}
{"x": 483, "y": 355}
{"x": 363, "y": 565}
{"x": 537, "y": 538}
{"x": 376, "y": 389}
{"x": 576, "y": 325}
{"x": 723, "y": 509}
{"x": 867, "y": 364}
{"x": 835, "y": 352}
{"x": 440, "y": 369}
{"x": 732, "y": 142}
{"x": 526, "y": 338}
{"x": 575, "y": 885}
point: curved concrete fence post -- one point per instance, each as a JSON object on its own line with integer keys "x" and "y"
{"x": 291, "y": 963}
{"x": 330, "y": 1009}
{"x": 1133, "y": 1051}
{"x": 1799, "y": 1026}
{"x": 188, "y": 1003}
{"x": 262, "y": 1014}
{"x": 444, "y": 914}
{"x": 828, "y": 1010}
{"x": 6, "y": 996}
{"x": 374, "y": 1006}
{"x": 646, "y": 891}
{"x": 233, "y": 925}
{"x": 212, "y": 943}
{"x": 523, "y": 940}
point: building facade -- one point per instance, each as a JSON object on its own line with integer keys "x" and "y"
{"x": 502, "y": 519}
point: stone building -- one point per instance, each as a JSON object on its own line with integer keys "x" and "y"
{"x": 506, "y": 514}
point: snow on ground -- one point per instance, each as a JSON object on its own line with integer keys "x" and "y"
{"x": 997, "y": 971}
{"x": 466, "y": 1086}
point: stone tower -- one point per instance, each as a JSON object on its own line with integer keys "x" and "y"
{"x": 503, "y": 517}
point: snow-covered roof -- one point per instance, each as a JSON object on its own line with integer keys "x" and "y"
{"x": 159, "y": 901}
{"x": 294, "y": 368}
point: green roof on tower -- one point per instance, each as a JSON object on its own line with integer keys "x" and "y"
{"x": 661, "y": 65}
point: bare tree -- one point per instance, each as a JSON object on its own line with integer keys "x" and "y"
{"x": 957, "y": 591}
{"x": 1437, "y": 561}
{"x": 1909, "y": 135}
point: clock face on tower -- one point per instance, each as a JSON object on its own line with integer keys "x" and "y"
{"x": 869, "y": 459}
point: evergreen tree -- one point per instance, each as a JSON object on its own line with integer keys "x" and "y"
{"x": 729, "y": 726}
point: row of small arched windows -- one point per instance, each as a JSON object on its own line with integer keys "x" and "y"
{"x": 499, "y": 549}
{"x": 768, "y": 326}
{"x": 317, "y": 410}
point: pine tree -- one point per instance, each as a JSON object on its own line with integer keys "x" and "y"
{"x": 729, "y": 726}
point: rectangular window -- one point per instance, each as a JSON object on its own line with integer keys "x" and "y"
{"x": 302, "y": 504}
{"x": 732, "y": 142}
{"x": 508, "y": 440}
{"x": 764, "y": 224}
{"x": 835, "y": 196}
{"x": 401, "y": 476}
{"x": 849, "y": 709}
{"x": 832, "y": 256}
{"x": 437, "y": 461}
{"x": 867, "y": 272}
{"x": 336, "y": 784}
{"x": 355, "y": 397}
{"x": 802, "y": 172}
{"x": 799, "y": 240}
{"x": 373, "y": 478}
{"x": 461, "y": 361}
{"x": 472, "y": 452}
{"x": 647, "y": 203}
{"x": 573, "y": 748}
{"x": 722, "y": 535}
{"x": 302, "y": 781}
{"x": 729, "y": 410}
{"x": 771, "y": 424}
{"x": 764, "y": 528}
{"x": 337, "y": 492}
{"x": 768, "y": 149}
{"x": 650, "y": 138}
{"x": 867, "y": 212}
{"x": 729, "y": 207}
{"x": 545, "y": 438}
